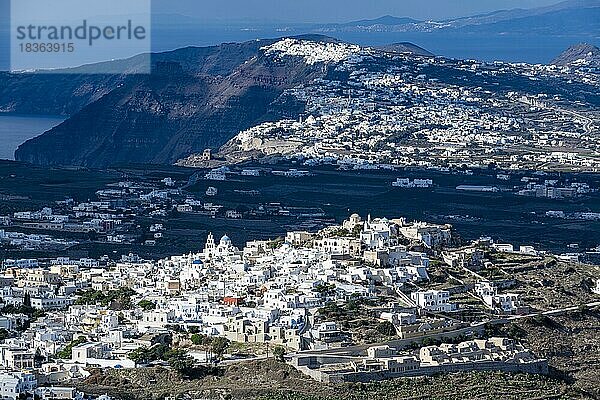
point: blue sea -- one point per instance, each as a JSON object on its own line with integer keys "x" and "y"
{"x": 512, "y": 48}
{"x": 16, "y": 129}
{"x": 532, "y": 48}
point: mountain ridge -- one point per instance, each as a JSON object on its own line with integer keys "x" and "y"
{"x": 383, "y": 20}
{"x": 406, "y": 24}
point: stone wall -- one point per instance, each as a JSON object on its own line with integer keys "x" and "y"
{"x": 309, "y": 367}
{"x": 534, "y": 367}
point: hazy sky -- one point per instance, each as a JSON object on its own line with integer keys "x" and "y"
{"x": 335, "y": 10}
{"x": 324, "y": 10}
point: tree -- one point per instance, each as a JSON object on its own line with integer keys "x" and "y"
{"x": 141, "y": 355}
{"x": 276, "y": 243}
{"x": 4, "y": 334}
{"x": 196, "y": 339}
{"x": 27, "y": 300}
{"x": 119, "y": 299}
{"x": 181, "y": 361}
{"x": 218, "y": 346}
{"x": 67, "y": 352}
{"x": 160, "y": 352}
{"x": 340, "y": 232}
{"x": 38, "y": 359}
{"x": 430, "y": 342}
{"x": 386, "y": 328}
{"x": 147, "y": 305}
{"x": 279, "y": 353}
{"x": 91, "y": 297}
{"x": 325, "y": 289}
{"x": 122, "y": 319}
{"x": 145, "y": 355}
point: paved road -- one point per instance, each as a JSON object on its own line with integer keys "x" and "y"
{"x": 589, "y": 122}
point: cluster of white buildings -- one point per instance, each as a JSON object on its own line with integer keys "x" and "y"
{"x": 110, "y": 219}
{"x": 552, "y": 191}
{"x": 405, "y": 113}
{"x": 34, "y": 241}
{"x": 266, "y": 292}
{"x": 261, "y": 293}
{"x": 312, "y": 52}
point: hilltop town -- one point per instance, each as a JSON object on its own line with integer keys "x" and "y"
{"x": 375, "y": 107}
{"x": 370, "y": 299}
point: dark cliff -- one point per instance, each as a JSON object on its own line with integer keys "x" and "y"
{"x": 195, "y": 98}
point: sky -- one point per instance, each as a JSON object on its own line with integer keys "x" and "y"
{"x": 335, "y": 10}
{"x": 321, "y": 11}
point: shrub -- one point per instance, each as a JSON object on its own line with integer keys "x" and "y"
{"x": 147, "y": 305}
{"x": 386, "y": 328}
{"x": 279, "y": 353}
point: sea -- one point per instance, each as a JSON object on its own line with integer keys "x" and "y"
{"x": 530, "y": 48}
{"x": 16, "y": 129}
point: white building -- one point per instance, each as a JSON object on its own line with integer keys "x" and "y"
{"x": 507, "y": 303}
{"x": 218, "y": 174}
{"x": 96, "y": 354}
{"x": 13, "y": 384}
{"x": 429, "y": 234}
{"x": 58, "y": 393}
{"x": 504, "y": 247}
{"x": 15, "y": 357}
{"x": 51, "y": 302}
{"x": 433, "y": 300}
{"x": 597, "y": 288}
{"x": 156, "y": 318}
{"x": 339, "y": 246}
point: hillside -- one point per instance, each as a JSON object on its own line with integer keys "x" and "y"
{"x": 195, "y": 98}
{"x": 317, "y": 98}
{"x": 268, "y": 379}
{"x": 582, "y": 54}
{"x": 387, "y": 107}
{"x": 67, "y": 92}
{"x": 406, "y": 47}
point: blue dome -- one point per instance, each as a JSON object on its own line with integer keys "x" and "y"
{"x": 225, "y": 240}
{"x": 198, "y": 262}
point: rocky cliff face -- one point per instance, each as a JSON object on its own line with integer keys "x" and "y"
{"x": 51, "y": 94}
{"x": 60, "y": 93}
{"x": 579, "y": 55}
{"x": 195, "y": 98}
